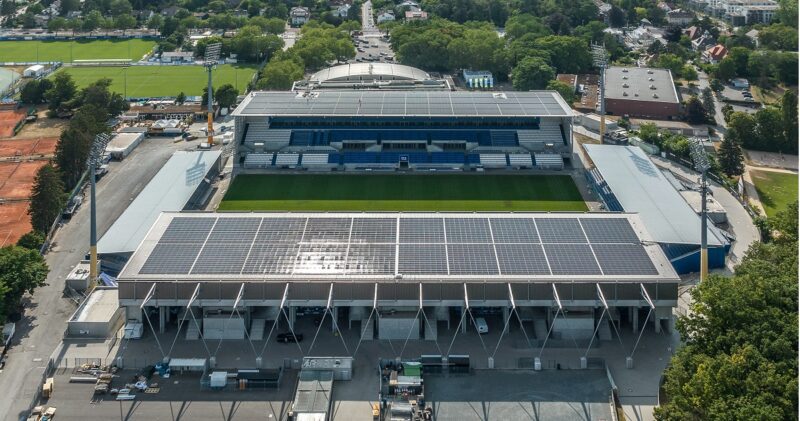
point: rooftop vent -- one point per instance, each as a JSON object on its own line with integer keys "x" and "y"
{"x": 650, "y": 79}
{"x": 653, "y": 87}
{"x": 624, "y": 93}
{"x": 649, "y": 72}
{"x": 624, "y": 78}
{"x": 625, "y": 85}
{"x": 624, "y": 70}
{"x": 655, "y": 95}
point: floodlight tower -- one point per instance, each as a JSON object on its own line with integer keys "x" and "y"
{"x": 702, "y": 165}
{"x": 210, "y": 63}
{"x": 600, "y": 59}
{"x": 95, "y": 158}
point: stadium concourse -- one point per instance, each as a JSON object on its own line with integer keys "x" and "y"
{"x": 324, "y": 130}
{"x": 396, "y": 275}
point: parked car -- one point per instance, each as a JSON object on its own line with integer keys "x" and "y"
{"x": 289, "y": 337}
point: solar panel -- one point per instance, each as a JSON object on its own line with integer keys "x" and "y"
{"x": 471, "y": 259}
{"x": 187, "y": 230}
{"x": 514, "y": 230}
{"x": 327, "y": 230}
{"x": 374, "y": 230}
{"x": 221, "y": 258}
{"x": 609, "y": 230}
{"x": 422, "y": 259}
{"x": 421, "y": 230}
{"x": 364, "y": 259}
{"x": 281, "y": 230}
{"x": 321, "y": 259}
{"x": 571, "y": 259}
{"x": 560, "y": 230}
{"x": 467, "y": 230}
{"x": 171, "y": 259}
{"x": 234, "y": 230}
{"x": 624, "y": 259}
{"x": 271, "y": 258}
{"x": 522, "y": 259}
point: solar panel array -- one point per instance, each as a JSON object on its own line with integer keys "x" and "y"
{"x": 412, "y": 245}
{"x": 401, "y": 103}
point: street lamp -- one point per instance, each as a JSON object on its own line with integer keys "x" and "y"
{"x": 95, "y": 157}
{"x": 210, "y": 63}
{"x": 600, "y": 59}
{"x": 702, "y": 165}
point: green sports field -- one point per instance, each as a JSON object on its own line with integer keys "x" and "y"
{"x": 67, "y": 51}
{"x": 402, "y": 192}
{"x": 776, "y": 190}
{"x": 161, "y": 81}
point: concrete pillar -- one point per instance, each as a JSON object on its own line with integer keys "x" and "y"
{"x": 292, "y": 316}
{"x": 505, "y": 317}
{"x": 628, "y": 362}
{"x": 334, "y": 318}
{"x": 635, "y": 319}
{"x": 657, "y": 323}
{"x": 161, "y": 319}
{"x": 466, "y": 319}
{"x": 584, "y": 363}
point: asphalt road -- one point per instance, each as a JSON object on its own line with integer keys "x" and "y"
{"x": 43, "y": 324}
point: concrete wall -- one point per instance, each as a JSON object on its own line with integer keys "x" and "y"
{"x": 646, "y": 109}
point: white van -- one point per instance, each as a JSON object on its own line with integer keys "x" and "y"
{"x": 480, "y": 323}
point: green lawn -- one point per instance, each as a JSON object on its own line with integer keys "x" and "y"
{"x": 67, "y": 51}
{"x": 162, "y": 81}
{"x": 403, "y": 192}
{"x": 776, "y": 190}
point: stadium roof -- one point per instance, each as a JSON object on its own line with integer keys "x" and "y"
{"x": 404, "y": 104}
{"x": 399, "y": 247}
{"x": 385, "y": 71}
{"x": 642, "y": 188}
{"x": 169, "y": 190}
{"x": 640, "y": 84}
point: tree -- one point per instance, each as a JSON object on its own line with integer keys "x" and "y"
{"x": 32, "y": 240}
{"x": 789, "y": 112}
{"x": 716, "y": 85}
{"x": 708, "y": 103}
{"x": 688, "y": 72}
{"x": 125, "y": 22}
{"x": 648, "y": 132}
{"x": 63, "y": 90}
{"x": 523, "y": 24}
{"x": 694, "y": 111}
{"x": 226, "y": 95}
{"x": 68, "y": 6}
{"x": 75, "y": 142}
{"x": 740, "y": 339}
{"x": 280, "y": 74}
{"x": 531, "y": 73}
{"x": 99, "y": 95}
{"x": 727, "y": 111}
{"x": 731, "y": 157}
{"x": 741, "y": 128}
{"x": 669, "y": 61}
{"x": 181, "y": 98}
{"x": 155, "y": 22}
{"x": 778, "y": 37}
{"x": 47, "y": 198}
{"x": 567, "y": 54}
{"x": 56, "y": 24}
{"x": 726, "y": 69}
{"x": 769, "y": 131}
{"x": 21, "y": 271}
{"x": 566, "y": 91}
{"x": 34, "y": 91}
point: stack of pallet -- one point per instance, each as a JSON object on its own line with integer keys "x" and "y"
{"x": 47, "y": 388}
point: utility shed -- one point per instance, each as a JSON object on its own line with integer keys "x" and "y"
{"x": 182, "y": 181}
{"x": 122, "y": 144}
{"x": 626, "y": 180}
{"x": 98, "y": 316}
{"x": 312, "y": 398}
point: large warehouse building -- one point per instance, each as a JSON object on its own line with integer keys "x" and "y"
{"x": 641, "y": 92}
{"x": 388, "y": 130}
{"x": 256, "y": 265}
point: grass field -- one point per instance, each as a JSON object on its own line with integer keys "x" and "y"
{"x": 159, "y": 81}
{"x": 383, "y": 192}
{"x": 776, "y": 190}
{"x": 67, "y": 51}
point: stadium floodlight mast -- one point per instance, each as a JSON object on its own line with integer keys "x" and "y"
{"x": 210, "y": 63}
{"x": 95, "y": 159}
{"x": 702, "y": 165}
{"x": 600, "y": 59}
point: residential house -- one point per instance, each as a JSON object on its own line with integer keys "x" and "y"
{"x": 715, "y": 54}
{"x": 74, "y": 14}
{"x": 706, "y": 40}
{"x": 342, "y": 11}
{"x": 177, "y": 57}
{"x": 411, "y": 5}
{"x": 603, "y": 11}
{"x": 41, "y": 20}
{"x": 753, "y": 35}
{"x": 412, "y": 15}
{"x": 386, "y": 16}
{"x": 743, "y": 12}
{"x": 664, "y": 6}
{"x": 170, "y": 11}
{"x": 679, "y": 17}
{"x": 693, "y": 32}
{"x": 298, "y": 16}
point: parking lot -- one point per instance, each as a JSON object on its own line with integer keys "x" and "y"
{"x": 373, "y": 49}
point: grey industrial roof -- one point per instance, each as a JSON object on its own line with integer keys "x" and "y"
{"x": 642, "y": 188}
{"x": 169, "y": 190}
{"x": 377, "y": 70}
{"x": 642, "y": 83}
{"x": 404, "y": 104}
{"x": 392, "y": 247}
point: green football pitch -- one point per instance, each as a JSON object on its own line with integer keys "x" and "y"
{"x": 402, "y": 192}
{"x": 162, "y": 81}
{"x": 67, "y": 51}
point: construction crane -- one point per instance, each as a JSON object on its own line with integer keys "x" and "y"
{"x": 210, "y": 63}
{"x": 600, "y": 59}
{"x": 702, "y": 165}
{"x": 95, "y": 159}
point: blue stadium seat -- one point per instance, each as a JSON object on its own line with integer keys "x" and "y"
{"x": 360, "y": 157}
{"x": 473, "y": 159}
{"x": 447, "y": 158}
{"x": 335, "y": 158}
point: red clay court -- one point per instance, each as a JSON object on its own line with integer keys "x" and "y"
{"x": 8, "y": 120}
{"x": 14, "y": 222}
{"x": 36, "y": 147}
{"x": 16, "y": 180}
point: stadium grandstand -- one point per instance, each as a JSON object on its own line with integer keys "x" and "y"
{"x": 257, "y": 265}
{"x": 372, "y": 76}
{"x": 391, "y": 130}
